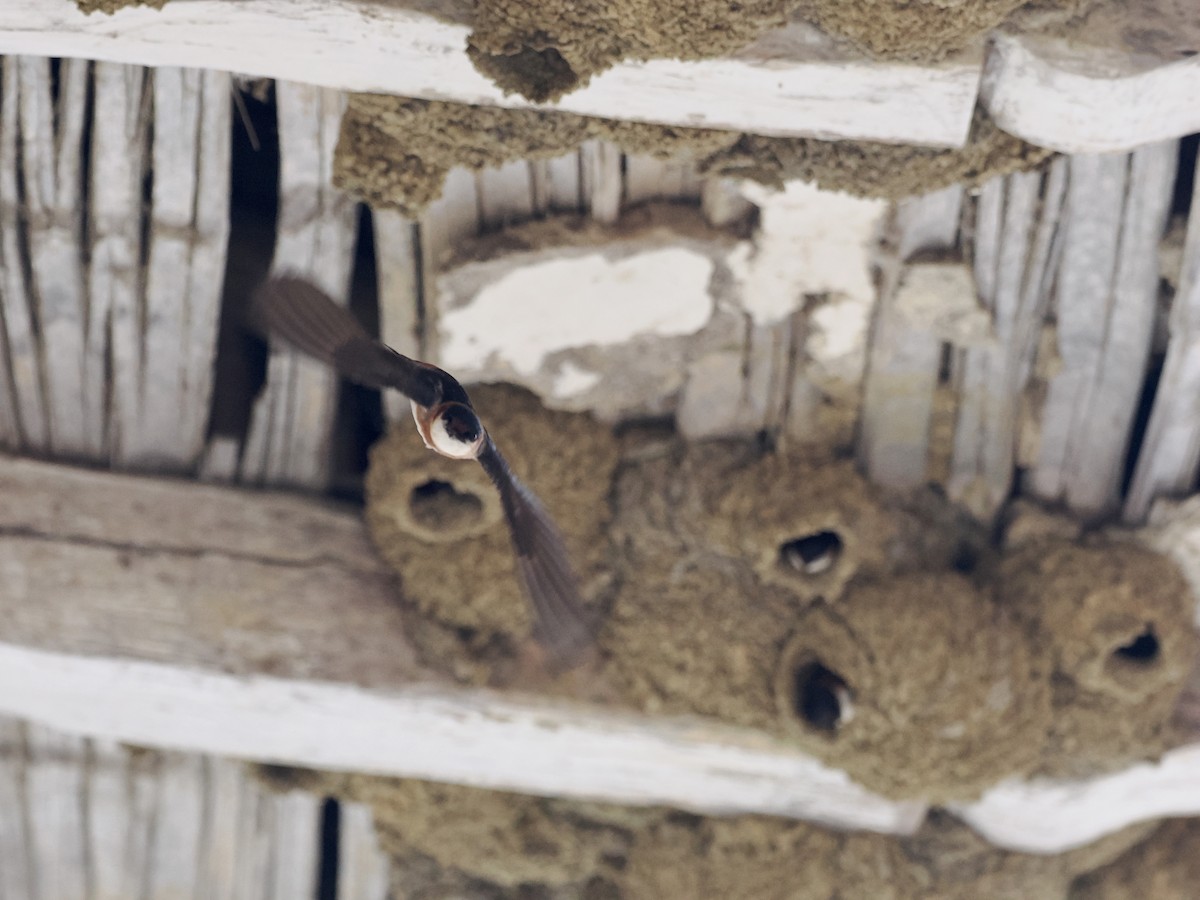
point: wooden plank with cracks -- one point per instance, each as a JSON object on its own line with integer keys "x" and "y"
{"x": 52, "y": 123}
{"x": 903, "y": 359}
{"x": 362, "y": 865}
{"x": 290, "y": 430}
{"x": 1115, "y": 214}
{"x": 120, "y": 141}
{"x": 23, "y": 417}
{"x": 1170, "y": 453}
{"x": 1017, "y": 218}
{"x": 189, "y": 216}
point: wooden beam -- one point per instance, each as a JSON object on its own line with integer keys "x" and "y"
{"x": 792, "y": 82}
{"x": 1125, "y": 75}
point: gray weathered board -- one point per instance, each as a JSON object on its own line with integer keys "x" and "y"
{"x": 110, "y": 309}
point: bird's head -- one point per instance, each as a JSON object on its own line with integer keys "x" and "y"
{"x": 455, "y": 431}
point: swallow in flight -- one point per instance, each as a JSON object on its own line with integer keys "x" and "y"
{"x": 303, "y": 316}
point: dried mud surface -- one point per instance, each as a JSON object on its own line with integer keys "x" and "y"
{"x": 111, "y": 6}
{"x": 397, "y": 152}
{"x": 782, "y": 592}
{"x": 451, "y": 841}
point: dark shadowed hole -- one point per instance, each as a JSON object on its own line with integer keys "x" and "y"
{"x": 811, "y": 554}
{"x": 436, "y": 505}
{"x": 820, "y": 697}
{"x": 1142, "y": 649}
{"x": 966, "y": 559}
{"x": 330, "y": 838}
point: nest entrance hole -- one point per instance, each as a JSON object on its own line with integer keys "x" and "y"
{"x": 438, "y": 506}
{"x": 821, "y": 698}
{"x": 1142, "y": 650}
{"x": 811, "y": 554}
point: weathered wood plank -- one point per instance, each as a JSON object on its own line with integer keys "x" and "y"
{"x": 506, "y": 194}
{"x": 600, "y": 180}
{"x": 54, "y": 784}
{"x": 120, "y": 137}
{"x": 1171, "y": 450}
{"x": 1012, "y": 236}
{"x": 362, "y": 865}
{"x": 1125, "y": 75}
{"x": 16, "y": 875}
{"x": 52, "y": 127}
{"x": 189, "y": 230}
{"x": 1115, "y": 214}
{"x": 398, "y": 268}
{"x": 903, "y": 358}
{"x": 174, "y": 863}
{"x": 290, "y": 430}
{"x": 297, "y": 839}
{"x": 446, "y": 221}
{"x": 793, "y": 81}
{"x": 23, "y": 419}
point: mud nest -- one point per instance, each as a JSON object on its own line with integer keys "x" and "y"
{"x": 1113, "y": 620}
{"x": 397, "y": 152}
{"x": 438, "y": 521}
{"x": 447, "y": 840}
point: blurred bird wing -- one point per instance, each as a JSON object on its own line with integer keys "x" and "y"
{"x": 562, "y": 623}
{"x": 307, "y": 318}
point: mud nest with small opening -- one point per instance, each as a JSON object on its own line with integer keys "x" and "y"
{"x": 397, "y": 152}
{"x": 917, "y": 685}
{"x": 1114, "y": 620}
{"x": 439, "y": 522}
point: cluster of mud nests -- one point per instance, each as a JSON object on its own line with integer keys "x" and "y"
{"x": 449, "y": 841}
{"x": 784, "y": 593}
{"x": 397, "y": 152}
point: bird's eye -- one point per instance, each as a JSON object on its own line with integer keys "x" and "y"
{"x": 456, "y": 431}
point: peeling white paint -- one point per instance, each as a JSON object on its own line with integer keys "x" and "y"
{"x": 583, "y": 301}
{"x": 572, "y": 380}
{"x": 810, "y": 241}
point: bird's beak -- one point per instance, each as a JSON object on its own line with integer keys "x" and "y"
{"x": 423, "y": 417}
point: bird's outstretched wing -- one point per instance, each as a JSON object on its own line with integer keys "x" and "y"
{"x": 562, "y": 624}
{"x": 307, "y": 318}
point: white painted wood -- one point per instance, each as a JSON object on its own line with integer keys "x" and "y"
{"x": 601, "y": 182}
{"x": 51, "y": 145}
{"x": 362, "y": 865}
{"x": 189, "y": 231}
{"x": 398, "y": 271}
{"x": 178, "y": 825}
{"x": 506, "y": 194}
{"x": 1171, "y": 450}
{"x": 293, "y": 419}
{"x": 1044, "y": 816}
{"x": 255, "y": 833}
{"x": 119, "y": 144}
{"x": 110, "y": 826}
{"x": 648, "y": 178}
{"x": 556, "y": 184}
{"x": 450, "y": 219}
{"x": 55, "y": 790}
{"x": 1012, "y": 237}
{"x": 1107, "y": 284}
{"x": 24, "y": 421}
{"x": 1125, "y": 75}
{"x": 903, "y": 359}
{"x": 296, "y": 860}
{"x": 16, "y": 874}
{"x": 793, "y": 81}
{"x": 226, "y": 797}
{"x": 444, "y": 734}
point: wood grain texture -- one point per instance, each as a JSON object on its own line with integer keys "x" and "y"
{"x": 291, "y": 429}
{"x": 1171, "y": 450}
{"x": 1114, "y": 217}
